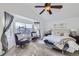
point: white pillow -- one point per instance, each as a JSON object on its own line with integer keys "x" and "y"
{"x": 55, "y": 33}
{"x": 23, "y": 36}
{"x": 20, "y": 36}
{"x": 66, "y": 34}
{"x": 60, "y": 32}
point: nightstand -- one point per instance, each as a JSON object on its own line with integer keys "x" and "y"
{"x": 75, "y": 37}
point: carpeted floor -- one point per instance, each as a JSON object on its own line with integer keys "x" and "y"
{"x": 36, "y": 49}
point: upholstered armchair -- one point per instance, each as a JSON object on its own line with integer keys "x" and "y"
{"x": 21, "y": 42}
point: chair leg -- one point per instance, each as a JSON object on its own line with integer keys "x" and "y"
{"x": 22, "y": 46}
{"x": 17, "y": 45}
{"x": 62, "y": 51}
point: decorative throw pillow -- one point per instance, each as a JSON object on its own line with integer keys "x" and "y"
{"x": 62, "y": 34}
{"x": 73, "y": 33}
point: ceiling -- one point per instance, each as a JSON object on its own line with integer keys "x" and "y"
{"x": 28, "y": 10}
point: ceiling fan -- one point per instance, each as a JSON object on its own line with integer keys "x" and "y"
{"x": 47, "y": 7}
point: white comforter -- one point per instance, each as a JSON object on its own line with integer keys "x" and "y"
{"x": 54, "y": 39}
{"x": 58, "y": 41}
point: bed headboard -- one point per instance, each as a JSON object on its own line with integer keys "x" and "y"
{"x": 60, "y": 29}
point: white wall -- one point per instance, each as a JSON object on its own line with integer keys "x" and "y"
{"x": 72, "y": 23}
{"x": 1, "y": 25}
{"x": 22, "y": 20}
{"x": 1, "y": 29}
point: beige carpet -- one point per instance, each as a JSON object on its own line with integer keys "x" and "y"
{"x": 34, "y": 49}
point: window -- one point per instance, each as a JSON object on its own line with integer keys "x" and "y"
{"x": 20, "y": 27}
{"x": 23, "y": 28}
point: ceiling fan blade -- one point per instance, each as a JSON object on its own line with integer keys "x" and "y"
{"x": 39, "y": 6}
{"x": 47, "y": 4}
{"x": 49, "y": 12}
{"x": 42, "y": 11}
{"x": 57, "y": 6}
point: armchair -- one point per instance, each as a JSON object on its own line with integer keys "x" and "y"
{"x": 21, "y": 42}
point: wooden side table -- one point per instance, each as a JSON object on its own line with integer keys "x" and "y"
{"x": 75, "y": 37}
{"x": 34, "y": 38}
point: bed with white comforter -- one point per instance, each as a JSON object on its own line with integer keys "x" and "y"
{"x": 59, "y": 42}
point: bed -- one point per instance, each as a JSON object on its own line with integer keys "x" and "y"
{"x": 61, "y": 40}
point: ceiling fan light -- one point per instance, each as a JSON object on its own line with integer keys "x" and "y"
{"x": 47, "y": 8}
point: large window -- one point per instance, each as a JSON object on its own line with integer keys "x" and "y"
{"x": 28, "y": 28}
{"x": 23, "y": 28}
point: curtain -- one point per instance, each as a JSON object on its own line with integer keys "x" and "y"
{"x": 8, "y": 22}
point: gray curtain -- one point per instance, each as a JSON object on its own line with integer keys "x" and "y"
{"x": 8, "y": 21}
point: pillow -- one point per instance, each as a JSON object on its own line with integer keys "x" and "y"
{"x": 73, "y": 33}
{"x": 52, "y": 32}
{"x": 23, "y": 36}
{"x": 56, "y": 33}
{"x": 60, "y": 32}
{"x": 20, "y": 36}
{"x": 66, "y": 34}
